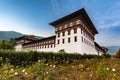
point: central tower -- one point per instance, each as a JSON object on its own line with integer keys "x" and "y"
{"x": 75, "y": 33}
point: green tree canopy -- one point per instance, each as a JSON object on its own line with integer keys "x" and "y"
{"x": 6, "y": 45}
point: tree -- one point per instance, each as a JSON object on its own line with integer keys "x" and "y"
{"x": 6, "y": 45}
{"x": 13, "y": 41}
{"x": 117, "y": 54}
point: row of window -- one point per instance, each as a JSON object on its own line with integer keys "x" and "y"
{"x": 22, "y": 41}
{"x": 69, "y": 32}
{"x": 69, "y": 25}
{"x": 75, "y": 31}
{"x": 40, "y": 47}
{"x": 87, "y": 42}
{"x": 86, "y": 35}
{"x": 69, "y": 40}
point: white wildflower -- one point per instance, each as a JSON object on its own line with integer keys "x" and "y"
{"x": 108, "y": 69}
{"x": 47, "y": 64}
{"x": 11, "y": 69}
{"x": 16, "y": 73}
{"x": 113, "y": 70}
{"x": 38, "y": 60}
{"x": 26, "y": 73}
{"x": 114, "y": 75}
{"x": 54, "y": 66}
{"x": 47, "y": 72}
{"x": 50, "y": 65}
{"x": 72, "y": 66}
{"x": 23, "y": 70}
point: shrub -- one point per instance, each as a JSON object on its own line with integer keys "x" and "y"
{"x": 26, "y": 58}
{"x": 106, "y": 55}
{"x": 117, "y": 54}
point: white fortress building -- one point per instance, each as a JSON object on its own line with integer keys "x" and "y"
{"x": 74, "y": 33}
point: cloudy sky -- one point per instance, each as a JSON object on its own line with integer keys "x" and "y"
{"x": 34, "y": 16}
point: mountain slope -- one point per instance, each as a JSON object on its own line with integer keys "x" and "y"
{"x": 113, "y": 49}
{"x": 7, "y": 35}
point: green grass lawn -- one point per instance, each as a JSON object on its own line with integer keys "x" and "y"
{"x": 84, "y": 69}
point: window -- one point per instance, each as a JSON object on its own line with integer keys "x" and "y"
{"x": 68, "y": 32}
{"x": 58, "y": 34}
{"x": 82, "y": 39}
{"x": 63, "y": 41}
{"x": 75, "y": 31}
{"x": 75, "y": 38}
{"x": 83, "y": 25}
{"x": 78, "y": 22}
{"x": 58, "y": 42}
{"x": 65, "y": 25}
{"x": 45, "y": 46}
{"x": 51, "y": 45}
{"x": 69, "y": 40}
{"x": 71, "y": 24}
{"x": 60, "y": 27}
{"x": 56, "y": 29}
{"x": 63, "y": 33}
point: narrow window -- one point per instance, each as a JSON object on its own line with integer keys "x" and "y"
{"x": 63, "y": 33}
{"x": 58, "y": 34}
{"x": 68, "y": 32}
{"x": 55, "y": 29}
{"x": 63, "y": 41}
{"x": 82, "y": 39}
{"x": 58, "y": 41}
{"x": 75, "y": 31}
{"x": 51, "y": 45}
{"x": 60, "y": 27}
{"x": 68, "y": 40}
{"x": 75, "y": 38}
{"x": 78, "y": 22}
{"x": 71, "y": 24}
{"x": 65, "y": 25}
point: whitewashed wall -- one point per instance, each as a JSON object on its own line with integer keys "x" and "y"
{"x": 74, "y": 47}
{"x": 19, "y": 47}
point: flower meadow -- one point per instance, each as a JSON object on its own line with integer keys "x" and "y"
{"x": 87, "y": 68}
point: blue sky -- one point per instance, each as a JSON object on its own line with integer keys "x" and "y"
{"x": 34, "y": 16}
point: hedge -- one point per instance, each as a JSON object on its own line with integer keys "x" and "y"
{"x": 26, "y": 58}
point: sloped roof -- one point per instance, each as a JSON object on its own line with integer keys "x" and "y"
{"x": 100, "y": 47}
{"x": 26, "y": 38}
{"x": 74, "y": 14}
{"x": 43, "y": 39}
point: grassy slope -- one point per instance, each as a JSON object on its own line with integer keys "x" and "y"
{"x": 94, "y": 69}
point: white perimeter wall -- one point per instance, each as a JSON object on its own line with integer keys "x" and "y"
{"x": 42, "y": 49}
{"x": 19, "y": 47}
{"x": 72, "y": 47}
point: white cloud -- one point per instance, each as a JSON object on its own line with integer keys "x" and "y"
{"x": 110, "y": 18}
{"x": 107, "y": 39}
